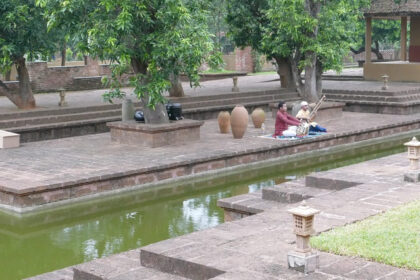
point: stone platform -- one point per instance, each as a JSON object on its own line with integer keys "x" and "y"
{"x": 56, "y": 171}
{"x": 256, "y": 247}
{"x": 153, "y": 136}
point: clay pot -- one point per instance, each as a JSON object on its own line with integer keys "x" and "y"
{"x": 224, "y": 121}
{"x": 239, "y": 121}
{"x": 258, "y": 117}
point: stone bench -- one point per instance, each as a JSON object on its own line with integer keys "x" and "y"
{"x": 9, "y": 140}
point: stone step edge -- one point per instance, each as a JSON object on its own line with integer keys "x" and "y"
{"x": 374, "y": 97}
{"x": 176, "y": 266}
{"x": 367, "y": 92}
{"x": 377, "y": 103}
{"x": 56, "y": 118}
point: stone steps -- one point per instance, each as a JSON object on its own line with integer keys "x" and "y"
{"x": 239, "y": 100}
{"x": 46, "y": 124}
{"x": 59, "y": 118}
{"x": 340, "y": 97}
{"x": 368, "y": 92}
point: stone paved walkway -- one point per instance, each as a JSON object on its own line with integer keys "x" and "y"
{"x": 36, "y": 166}
{"x": 256, "y": 247}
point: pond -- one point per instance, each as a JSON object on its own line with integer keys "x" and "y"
{"x": 52, "y": 239}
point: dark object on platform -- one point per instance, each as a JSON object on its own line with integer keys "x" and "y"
{"x": 174, "y": 111}
{"x": 139, "y": 116}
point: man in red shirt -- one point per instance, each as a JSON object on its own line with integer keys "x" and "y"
{"x": 283, "y": 120}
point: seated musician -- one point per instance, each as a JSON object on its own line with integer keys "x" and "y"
{"x": 304, "y": 115}
{"x": 283, "y": 121}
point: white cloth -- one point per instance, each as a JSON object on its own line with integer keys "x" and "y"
{"x": 290, "y": 132}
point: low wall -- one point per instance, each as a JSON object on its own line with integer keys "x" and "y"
{"x": 397, "y": 72}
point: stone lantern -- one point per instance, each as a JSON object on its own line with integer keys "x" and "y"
{"x": 413, "y": 153}
{"x": 303, "y": 259}
{"x": 385, "y": 79}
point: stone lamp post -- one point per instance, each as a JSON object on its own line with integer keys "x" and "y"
{"x": 303, "y": 259}
{"x": 413, "y": 153}
{"x": 385, "y": 78}
{"x": 62, "y": 94}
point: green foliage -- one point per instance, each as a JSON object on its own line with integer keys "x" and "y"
{"x": 23, "y": 32}
{"x": 385, "y": 32}
{"x": 79, "y": 56}
{"x": 391, "y": 238}
{"x": 284, "y": 28}
{"x": 257, "y": 61}
{"x": 69, "y": 54}
{"x": 156, "y": 38}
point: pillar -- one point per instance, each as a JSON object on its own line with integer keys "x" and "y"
{"x": 403, "y": 55}
{"x": 368, "y": 46}
{"x": 414, "y": 51}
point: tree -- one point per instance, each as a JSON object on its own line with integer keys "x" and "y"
{"x": 154, "y": 39}
{"x": 383, "y": 32}
{"x": 23, "y": 33}
{"x": 308, "y": 35}
{"x": 249, "y": 25}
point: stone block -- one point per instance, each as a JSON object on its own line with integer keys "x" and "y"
{"x": 305, "y": 263}
{"x": 412, "y": 176}
{"x": 9, "y": 140}
{"x": 158, "y": 135}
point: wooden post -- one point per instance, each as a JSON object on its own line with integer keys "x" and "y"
{"x": 368, "y": 46}
{"x": 403, "y": 55}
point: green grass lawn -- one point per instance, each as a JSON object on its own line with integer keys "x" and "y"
{"x": 218, "y": 71}
{"x": 262, "y": 73}
{"x": 392, "y": 238}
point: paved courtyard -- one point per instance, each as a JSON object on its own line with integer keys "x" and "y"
{"x": 37, "y": 165}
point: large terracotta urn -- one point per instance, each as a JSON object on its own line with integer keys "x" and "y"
{"x": 258, "y": 117}
{"x": 224, "y": 122}
{"x": 239, "y": 121}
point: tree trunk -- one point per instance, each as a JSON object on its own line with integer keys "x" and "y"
{"x": 157, "y": 115}
{"x": 296, "y": 72}
{"x": 7, "y": 75}
{"x": 63, "y": 55}
{"x": 284, "y": 70}
{"x": 310, "y": 88}
{"x": 319, "y": 71}
{"x": 176, "y": 89}
{"x": 313, "y": 8}
{"x": 24, "y": 99}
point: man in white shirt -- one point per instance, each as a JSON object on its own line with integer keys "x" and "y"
{"x": 304, "y": 115}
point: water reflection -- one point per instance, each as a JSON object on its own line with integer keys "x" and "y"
{"x": 38, "y": 243}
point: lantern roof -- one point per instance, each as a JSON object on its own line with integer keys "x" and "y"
{"x": 413, "y": 143}
{"x": 390, "y": 8}
{"x": 303, "y": 211}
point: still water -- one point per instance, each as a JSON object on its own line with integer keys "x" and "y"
{"x": 53, "y": 239}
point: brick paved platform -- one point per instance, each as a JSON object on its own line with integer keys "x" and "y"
{"x": 60, "y": 170}
{"x": 256, "y": 247}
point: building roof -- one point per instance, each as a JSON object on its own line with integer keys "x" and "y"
{"x": 388, "y": 8}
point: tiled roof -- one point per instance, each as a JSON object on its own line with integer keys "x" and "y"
{"x": 390, "y": 8}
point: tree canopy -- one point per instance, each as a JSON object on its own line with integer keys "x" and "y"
{"x": 23, "y": 33}
{"x": 305, "y": 35}
{"x": 154, "y": 38}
